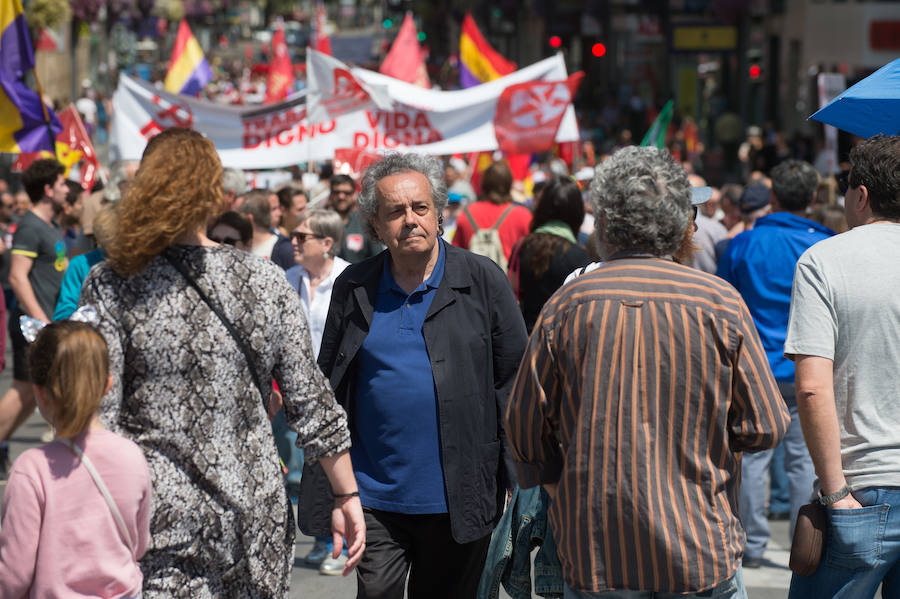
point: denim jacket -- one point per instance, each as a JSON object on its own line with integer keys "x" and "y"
{"x": 524, "y": 526}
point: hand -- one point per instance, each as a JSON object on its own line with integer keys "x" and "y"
{"x": 847, "y": 503}
{"x": 275, "y": 403}
{"x": 347, "y": 521}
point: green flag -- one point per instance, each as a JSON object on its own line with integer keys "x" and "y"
{"x": 656, "y": 135}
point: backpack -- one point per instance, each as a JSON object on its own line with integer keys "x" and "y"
{"x": 486, "y": 242}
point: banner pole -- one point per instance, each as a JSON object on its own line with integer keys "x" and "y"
{"x": 40, "y": 91}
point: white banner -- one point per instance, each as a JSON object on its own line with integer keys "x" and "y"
{"x": 333, "y": 89}
{"x": 263, "y": 137}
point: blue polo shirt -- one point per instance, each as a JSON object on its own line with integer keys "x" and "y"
{"x": 396, "y": 444}
{"x": 760, "y": 264}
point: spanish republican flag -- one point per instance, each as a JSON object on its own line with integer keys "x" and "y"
{"x": 23, "y": 116}
{"x": 478, "y": 62}
{"x": 189, "y": 71}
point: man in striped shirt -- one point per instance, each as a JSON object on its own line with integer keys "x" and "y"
{"x": 642, "y": 384}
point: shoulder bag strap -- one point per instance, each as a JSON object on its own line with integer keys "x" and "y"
{"x": 248, "y": 356}
{"x": 116, "y": 514}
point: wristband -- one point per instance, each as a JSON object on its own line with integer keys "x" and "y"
{"x": 345, "y": 495}
{"x": 836, "y": 496}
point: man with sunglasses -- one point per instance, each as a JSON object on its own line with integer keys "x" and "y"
{"x": 842, "y": 336}
{"x": 760, "y": 264}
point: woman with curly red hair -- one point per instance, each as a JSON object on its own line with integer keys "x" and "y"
{"x": 196, "y": 332}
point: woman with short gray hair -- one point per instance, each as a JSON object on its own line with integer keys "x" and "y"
{"x": 316, "y": 240}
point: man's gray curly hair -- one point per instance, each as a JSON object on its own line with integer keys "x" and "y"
{"x": 645, "y": 197}
{"x": 393, "y": 164}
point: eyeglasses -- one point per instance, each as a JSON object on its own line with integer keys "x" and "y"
{"x": 225, "y": 240}
{"x": 843, "y": 181}
{"x": 302, "y": 237}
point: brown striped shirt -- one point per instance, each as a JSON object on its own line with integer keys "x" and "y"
{"x": 642, "y": 382}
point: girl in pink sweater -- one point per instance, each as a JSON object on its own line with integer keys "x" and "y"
{"x": 76, "y": 512}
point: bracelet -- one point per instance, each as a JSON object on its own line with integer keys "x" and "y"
{"x": 836, "y": 496}
{"x": 345, "y": 495}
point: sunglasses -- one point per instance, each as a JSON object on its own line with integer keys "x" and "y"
{"x": 843, "y": 181}
{"x": 225, "y": 240}
{"x": 302, "y": 237}
{"x": 696, "y": 211}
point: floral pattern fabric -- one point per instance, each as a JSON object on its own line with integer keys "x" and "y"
{"x": 221, "y": 524}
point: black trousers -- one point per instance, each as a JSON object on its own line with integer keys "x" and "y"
{"x": 421, "y": 545}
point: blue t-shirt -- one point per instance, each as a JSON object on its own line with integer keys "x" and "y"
{"x": 396, "y": 444}
{"x": 760, "y": 264}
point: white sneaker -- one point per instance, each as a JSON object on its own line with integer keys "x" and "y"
{"x": 333, "y": 567}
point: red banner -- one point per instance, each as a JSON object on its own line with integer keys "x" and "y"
{"x": 528, "y": 114}
{"x": 72, "y": 146}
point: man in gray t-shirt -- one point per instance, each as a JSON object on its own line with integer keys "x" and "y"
{"x": 36, "y": 270}
{"x": 843, "y": 336}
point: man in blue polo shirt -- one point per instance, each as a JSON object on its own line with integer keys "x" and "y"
{"x": 760, "y": 264}
{"x": 421, "y": 345}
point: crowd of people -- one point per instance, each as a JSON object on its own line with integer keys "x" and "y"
{"x": 431, "y": 377}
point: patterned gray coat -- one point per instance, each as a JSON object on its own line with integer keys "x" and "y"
{"x": 221, "y": 523}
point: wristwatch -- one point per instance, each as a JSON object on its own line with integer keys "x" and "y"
{"x": 836, "y": 496}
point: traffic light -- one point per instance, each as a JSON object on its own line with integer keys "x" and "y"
{"x": 598, "y": 49}
{"x": 387, "y": 23}
{"x": 555, "y": 41}
{"x": 754, "y": 71}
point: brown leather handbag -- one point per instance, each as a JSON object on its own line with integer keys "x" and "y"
{"x": 809, "y": 539}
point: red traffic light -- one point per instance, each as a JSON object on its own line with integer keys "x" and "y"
{"x": 555, "y": 41}
{"x": 598, "y": 49}
{"x": 755, "y": 71}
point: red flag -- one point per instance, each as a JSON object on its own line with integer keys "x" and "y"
{"x": 47, "y": 40}
{"x": 323, "y": 42}
{"x": 281, "y": 72}
{"x": 406, "y": 60}
{"x": 72, "y": 146}
{"x": 519, "y": 165}
{"x": 529, "y": 114}
{"x": 353, "y": 161}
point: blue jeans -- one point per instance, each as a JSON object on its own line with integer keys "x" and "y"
{"x": 862, "y": 550}
{"x": 755, "y": 468}
{"x": 290, "y": 454}
{"x": 733, "y": 588}
{"x": 779, "y": 487}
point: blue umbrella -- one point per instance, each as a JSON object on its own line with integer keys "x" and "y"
{"x": 870, "y": 107}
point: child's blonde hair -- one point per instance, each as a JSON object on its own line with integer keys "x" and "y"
{"x": 71, "y": 361}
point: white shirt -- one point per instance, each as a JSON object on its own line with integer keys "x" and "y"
{"x": 317, "y": 309}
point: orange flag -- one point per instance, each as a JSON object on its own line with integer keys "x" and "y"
{"x": 281, "y": 72}
{"x": 406, "y": 60}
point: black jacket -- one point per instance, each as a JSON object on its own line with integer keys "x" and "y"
{"x": 475, "y": 338}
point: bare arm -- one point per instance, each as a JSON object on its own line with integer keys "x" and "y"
{"x": 347, "y": 516}
{"x": 19, "y": 268}
{"x": 818, "y": 416}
